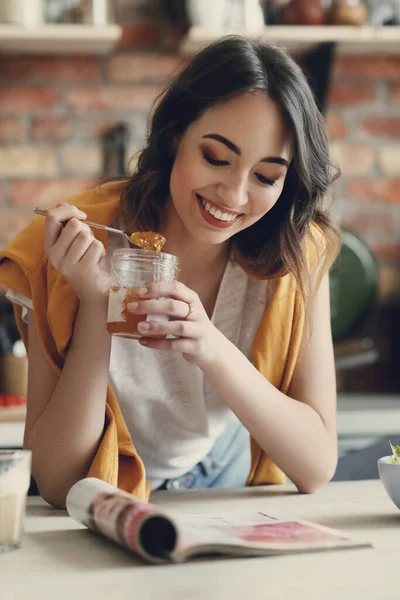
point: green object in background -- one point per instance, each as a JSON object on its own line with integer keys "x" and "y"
{"x": 353, "y": 285}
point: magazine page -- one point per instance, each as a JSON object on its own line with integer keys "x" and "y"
{"x": 158, "y": 537}
{"x": 244, "y": 533}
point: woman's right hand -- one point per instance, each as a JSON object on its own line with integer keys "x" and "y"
{"x": 75, "y": 253}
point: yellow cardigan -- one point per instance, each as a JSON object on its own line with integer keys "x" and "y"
{"x": 24, "y": 268}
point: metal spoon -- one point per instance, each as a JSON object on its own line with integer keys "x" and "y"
{"x": 156, "y": 243}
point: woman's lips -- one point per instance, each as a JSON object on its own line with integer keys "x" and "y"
{"x": 212, "y": 220}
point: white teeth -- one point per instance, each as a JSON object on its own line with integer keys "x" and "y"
{"x": 215, "y": 212}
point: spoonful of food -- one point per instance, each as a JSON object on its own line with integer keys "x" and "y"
{"x": 147, "y": 240}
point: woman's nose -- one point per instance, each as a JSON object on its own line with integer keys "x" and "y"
{"x": 233, "y": 192}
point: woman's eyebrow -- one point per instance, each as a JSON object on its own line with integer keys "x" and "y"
{"x": 268, "y": 159}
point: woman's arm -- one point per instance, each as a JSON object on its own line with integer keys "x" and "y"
{"x": 65, "y": 415}
{"x": 297, "y": 431}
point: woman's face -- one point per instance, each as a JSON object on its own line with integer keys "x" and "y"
{"x": 230, "y": 167}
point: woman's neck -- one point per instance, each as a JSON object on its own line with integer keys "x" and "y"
{"x": 196, "y": 259}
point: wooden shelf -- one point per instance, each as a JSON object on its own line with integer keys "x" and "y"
{"x": 302, "y": 38}
{"x": 58, "y": 39}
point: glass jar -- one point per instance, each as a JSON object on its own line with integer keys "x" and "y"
{"x": 130, "y": 270}
{"x": 15, "y": 478}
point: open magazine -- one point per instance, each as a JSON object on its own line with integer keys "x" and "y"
{"x": 158, "y": 537}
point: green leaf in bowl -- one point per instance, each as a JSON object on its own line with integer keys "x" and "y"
{"x": 395, "y": 458}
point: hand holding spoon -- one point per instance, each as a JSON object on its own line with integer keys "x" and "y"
{"x": 148, "y": 240}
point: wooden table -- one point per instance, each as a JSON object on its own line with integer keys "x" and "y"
{"x": 60, "y": 560}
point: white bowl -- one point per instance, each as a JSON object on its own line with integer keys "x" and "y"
{"x": 390, "y": 477}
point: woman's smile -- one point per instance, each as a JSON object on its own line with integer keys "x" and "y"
{"x": 216, "y": 215}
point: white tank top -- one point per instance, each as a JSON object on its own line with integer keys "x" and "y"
{"x": 171, "y": 411}
{"x": 173, "y": 414}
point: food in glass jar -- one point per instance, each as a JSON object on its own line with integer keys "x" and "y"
{"x": 120, "y": 320}
{"x": 131, "y": 269}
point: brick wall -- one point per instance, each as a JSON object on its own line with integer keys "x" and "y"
{"x": 364, "y": 125}
{"x": 54, "y": 112}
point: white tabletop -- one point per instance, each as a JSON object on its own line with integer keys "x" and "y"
{"x": 61, "y": 560}
{"x": 12, "y": 434}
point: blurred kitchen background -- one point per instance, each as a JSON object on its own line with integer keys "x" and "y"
{"x": 77, "y": 81}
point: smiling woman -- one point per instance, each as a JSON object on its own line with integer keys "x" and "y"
{"x": 241, "y": 179}
{"x": 232, "y": 380}
{"x": 243, "y": 76}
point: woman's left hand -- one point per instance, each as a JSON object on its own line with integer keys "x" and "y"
{"x": 195, "y": 336}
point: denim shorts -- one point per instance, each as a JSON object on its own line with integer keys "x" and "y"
{"x": 226, "y": 465}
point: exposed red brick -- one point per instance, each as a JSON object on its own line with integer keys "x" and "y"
{"x": 140, "y": 67}
{"x": 378, "y": 67}
{"x": 374, "y": 190}
{"x": 381, "y": 223}
{"x": 337, "y": 128}
{"x": 28, "y": 100}
{"x": 143, "y": 34}
{"x": 82, "y": 160}
{"x": 394, "y": 93}
{"x": 387, "y": 127}
{"x": 50, "y": 69}
{"x": 172, "y": 34}
{"x": 387, "y": 252}
{"x": 352, "y": 94}
{"x": 128, "y": 11}
{"x": 61, "y": 129}
{"x": 46, "y": 192}
{"x": 52, "y": 129}
{"x": 11, "y": 223}
{"x": 139, "y": 97}
{"x": 18, "y": 160}
{"x": 4, "y": 191}
{"x": 353, "y": 159}
{"x": 389, "y": 160}
{"x": 11, "y": 130}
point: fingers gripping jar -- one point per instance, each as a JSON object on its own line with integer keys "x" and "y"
{"x": 130, "y": 270}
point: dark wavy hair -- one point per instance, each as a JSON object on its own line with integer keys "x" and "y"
{"x": 229, "y": 67}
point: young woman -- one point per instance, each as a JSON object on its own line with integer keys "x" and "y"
{"x": 234, "y": 174}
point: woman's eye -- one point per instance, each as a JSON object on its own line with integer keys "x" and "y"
{"x": 214, "y": 161}
{"x": 265, "y": 180}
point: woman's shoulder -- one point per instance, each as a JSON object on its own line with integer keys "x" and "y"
{"x": 316, "y": 244}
